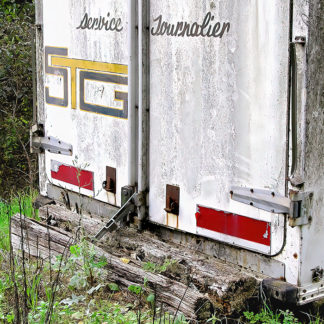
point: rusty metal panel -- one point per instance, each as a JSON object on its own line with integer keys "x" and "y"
{"x": 111, "y": 179}
{"x": 172, "y": 203}
{"x": 86, "y": 89}
{"x": 172, "y": 199}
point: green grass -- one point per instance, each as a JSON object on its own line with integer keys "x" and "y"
{"x": 79, "y": 300}
{"x": 269, "y": 316}
{"x": 21, "y": 203}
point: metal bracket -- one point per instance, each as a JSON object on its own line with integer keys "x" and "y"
{"x": 172, "y": 199}
{"x": 40, "y": 143}
{"x": 297, "y": 152}
{"x": 136, "y": 200}
{"x": 263, "y": 199}
{"x": 300, "y": 208}
{"x": 110, "y": 183}
{"x": 126, "y": 193}
{"x": 280, "y": 290}
{"x": 122, "y": 213}
{"x": 300, "y": 40}
{"x": 310, "y": 293}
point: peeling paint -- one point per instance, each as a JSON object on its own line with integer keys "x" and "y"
{"x": 218, "y": 107}
{"x": 217, "y": 114}
{"x": 97, "y": 140}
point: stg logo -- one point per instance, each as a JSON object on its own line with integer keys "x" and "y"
{"x": 83, "y": 70}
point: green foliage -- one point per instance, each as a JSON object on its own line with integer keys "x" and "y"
{"x": 84, "y": 266}
{"x": 113, "y": 287}
{"x": 267, "y": 316}
{"x": 155, "y": 268}
{"x": 214, "y": 319}
{"x": 22, "y": 202}
{"x": 13, "y": 9}
{"x": 135, "y": 289}
{"x": 115, "y": 314}
{"x": 17, "y": 165}
{"x": 180, "y": 319}
{"x": 150, "y": 298}
{"x": 5, "y": 285}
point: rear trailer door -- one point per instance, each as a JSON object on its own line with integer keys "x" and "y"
{"x": 86, "y": 96}
{"x": 218, "y": 102}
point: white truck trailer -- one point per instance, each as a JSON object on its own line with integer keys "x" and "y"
{"x": 196, "y": 110}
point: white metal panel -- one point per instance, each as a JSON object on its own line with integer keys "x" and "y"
{"x": 218, "y": 106}
{"x": 310, "y": 148}
{"x": 98, "y": 140}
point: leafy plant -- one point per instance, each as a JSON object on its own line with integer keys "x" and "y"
{"x": 155, "y": 268}
{"x": 84, "y": 266}
{"x": 135, "y": 289}
{"x": 150, "y": 298}
{"x": 17, "y": 165}
{"x": 73, "y": 300}
{"x": 113, "y": 287}
{"x": 214, "y": 319}
{"x": 267, "y": 316}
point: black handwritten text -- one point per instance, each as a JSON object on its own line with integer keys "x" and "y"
{"x": 99, "y": 23}
{"x": 208, "y": 28}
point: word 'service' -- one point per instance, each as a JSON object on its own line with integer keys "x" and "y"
{"x": 109, "y": 24}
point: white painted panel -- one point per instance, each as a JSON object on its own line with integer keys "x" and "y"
{"x": 218, "y": 106}
{"x": 98, "y": 140}
{"x": 100, "y": 93}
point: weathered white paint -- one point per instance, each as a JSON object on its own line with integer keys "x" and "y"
{"x": 312, "y": 122}
{"x": 217, "y": 118}
{"x": 98, "y": 141}
{"x": 218, "y": 109}
{"x": 291, "y": 255}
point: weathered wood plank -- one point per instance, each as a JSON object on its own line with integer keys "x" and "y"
{"x": 227, "y": 286}
{"x": 72, "y": 221}
{"x": 175, "y": 294}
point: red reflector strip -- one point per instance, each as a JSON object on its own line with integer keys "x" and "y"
{"x": 234, "y": 225}
{"x": 70, "y": 174}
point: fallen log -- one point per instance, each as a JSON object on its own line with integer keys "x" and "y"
{"x": 70, "y": 221}
{"x": 228, "y": 287}
{"x": 36, "y": 239}
{"x": 45, "y": 241}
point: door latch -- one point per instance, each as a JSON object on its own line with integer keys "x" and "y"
{"x": 300, "y": 208}
{"x": 110, "y": 183}
{"x": 172, "y": 199}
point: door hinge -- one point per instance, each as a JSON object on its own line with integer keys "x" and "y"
{"x": 263, "y": 199}
{"x": 39, "y": 143}
{"x": 297, "y": 206}
{"x": 300, "y": 208}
